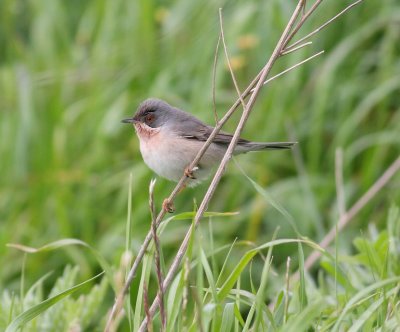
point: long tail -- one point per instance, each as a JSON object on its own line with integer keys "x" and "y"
{"x": 256, "y": 146}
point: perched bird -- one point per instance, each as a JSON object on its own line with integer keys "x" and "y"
{"x": 170, "y": 139}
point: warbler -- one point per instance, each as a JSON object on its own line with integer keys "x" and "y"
{"x": 171, "y": 138}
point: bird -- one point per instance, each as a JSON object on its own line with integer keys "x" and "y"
{"x": 171, "y": 138}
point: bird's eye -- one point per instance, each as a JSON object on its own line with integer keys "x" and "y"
{"x": 149, "y": 118}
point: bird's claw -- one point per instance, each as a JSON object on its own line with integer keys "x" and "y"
{"x": 190, "y": 172}
{"x": 168, "y": 206}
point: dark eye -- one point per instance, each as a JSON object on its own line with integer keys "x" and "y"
{"x": 149, "y": 118}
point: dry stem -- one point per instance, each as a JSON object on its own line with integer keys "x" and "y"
{"x": 149, "y": 325}
{"x": 214, "y": 79}
{"x": 160, "y": 277}
{"x": 294, "y": 46}
{"x": 352, "y": 212}
{"x": 229, "y": 62}
{"x": 345, "y": 218}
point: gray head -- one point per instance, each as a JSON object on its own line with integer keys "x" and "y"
{"x": 156, "y": 113}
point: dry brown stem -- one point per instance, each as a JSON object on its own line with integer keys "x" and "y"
{"x": 353, "y": 211}
{"x": 160, "y": 277}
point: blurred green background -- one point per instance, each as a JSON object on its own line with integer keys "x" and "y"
{"x": 71, "y": 70}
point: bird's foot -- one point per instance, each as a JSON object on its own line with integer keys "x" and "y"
{"x": 168, "y": 206}
{"x": 190, "y": 172}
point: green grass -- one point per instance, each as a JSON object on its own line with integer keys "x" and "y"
{"x": 71, "y": 70}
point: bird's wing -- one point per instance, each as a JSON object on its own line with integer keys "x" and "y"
{"x": 203, "y": 132}
{"x": 199, "y": 131}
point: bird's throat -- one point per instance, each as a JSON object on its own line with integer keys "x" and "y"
{"x": 144, "y": 131}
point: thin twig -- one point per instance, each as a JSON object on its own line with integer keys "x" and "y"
{"x": 339, "y": 182}
{"x": 304, "y": 8}
{"x": 214, "y": 79}
{"x": 229, "y": 62}
{"x": 352, "y": 212}
{"x": 291, "y": 68}
{"x": 160, "y": 277}
{"x": 228, "y": 155}
{"x": 291, "y": 50}
{"x": 304, "y": 18}
{"x": 146, "y": 308}
{"x": 293, "y": 47}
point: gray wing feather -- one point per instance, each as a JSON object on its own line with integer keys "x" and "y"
{"x": 192, "y": 128}
{"x": 203, "y": 132}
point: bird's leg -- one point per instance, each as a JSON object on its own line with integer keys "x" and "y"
{"x": 189, "y": 172}
{"x": 168, "y": 205}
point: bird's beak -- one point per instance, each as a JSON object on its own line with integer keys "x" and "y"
{"x": 129, "y": 120}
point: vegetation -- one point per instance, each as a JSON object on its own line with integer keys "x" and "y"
{"x": 71, "y": 70}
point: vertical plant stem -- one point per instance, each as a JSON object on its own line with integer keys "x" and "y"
{"x": 160, "y": 278}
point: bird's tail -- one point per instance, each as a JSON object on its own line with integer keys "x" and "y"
{"x": 257, "y": 146}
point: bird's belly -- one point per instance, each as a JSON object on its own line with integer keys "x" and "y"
{"x": 169, "y": 160}
{"x": 166, "y": 159}
{"x": 163, "y": 163}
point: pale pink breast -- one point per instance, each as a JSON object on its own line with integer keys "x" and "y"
{"x": 168, "y": 155}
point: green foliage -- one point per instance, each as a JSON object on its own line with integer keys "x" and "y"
{"x": 355, "y": 303}
{"x": 34, "y": 313}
